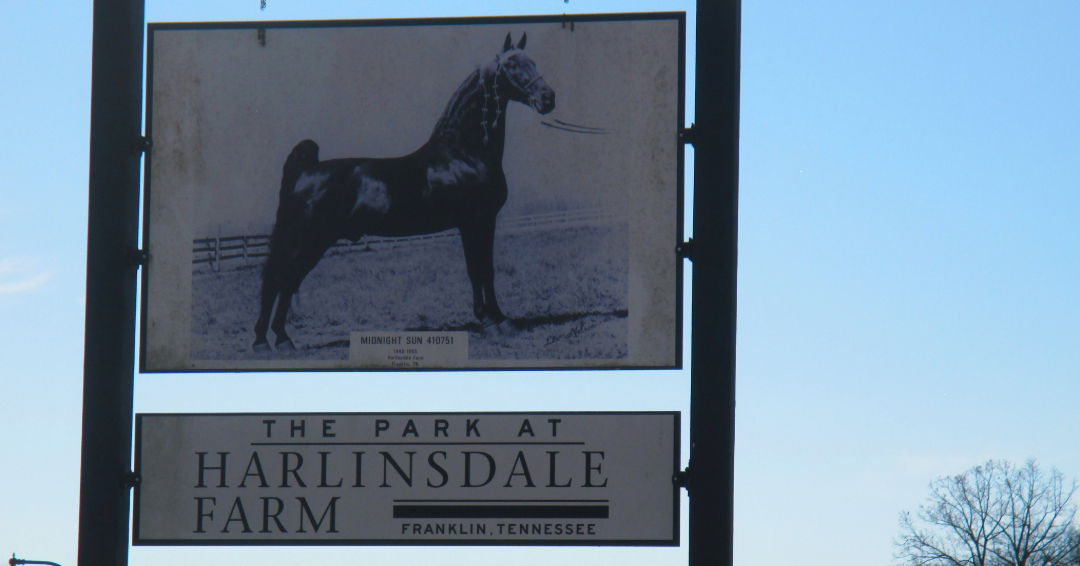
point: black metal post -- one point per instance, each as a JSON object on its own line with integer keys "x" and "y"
{"x": 715, "y": 253}
{"x": 113, "y": 226}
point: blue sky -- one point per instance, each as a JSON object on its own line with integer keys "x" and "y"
{"x": 908, "y": 278}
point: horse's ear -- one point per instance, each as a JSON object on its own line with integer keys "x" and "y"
{"x": 508, "y": 44}
{"x": 521, "y": 44}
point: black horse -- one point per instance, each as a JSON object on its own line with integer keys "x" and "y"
{"x": 455, "y": 180}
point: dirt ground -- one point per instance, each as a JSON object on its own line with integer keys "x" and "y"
{"x": 564, "y": 289}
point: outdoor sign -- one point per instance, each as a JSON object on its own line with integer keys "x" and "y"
{"x": 478, "y": 193}
{"x": 409, "y": 479}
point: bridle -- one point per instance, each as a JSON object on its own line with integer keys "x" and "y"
{"x": 498, "y": 108}
{"x": 495, "y": 87}
{"x": 525, "y": 88}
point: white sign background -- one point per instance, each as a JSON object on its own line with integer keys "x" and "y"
{"x": 297, "y": 479}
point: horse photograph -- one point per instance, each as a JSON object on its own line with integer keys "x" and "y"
{"x": 455, "y": 180}
{"x": 350, "y": 191}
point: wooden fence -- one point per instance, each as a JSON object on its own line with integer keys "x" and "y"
{"x": 215, "y": 250}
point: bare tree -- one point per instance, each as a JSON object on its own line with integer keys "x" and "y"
{"x": 995, "y": 514}
{"x": 958, "y": 515}
{"x": 1037, "y": 520}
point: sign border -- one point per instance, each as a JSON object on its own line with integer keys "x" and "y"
{"x": 676, "y": 495}
{"x": 472, "y": 20}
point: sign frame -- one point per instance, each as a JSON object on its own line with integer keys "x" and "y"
{"x": 568, "y": 21}
{"x": 676, "y": 498}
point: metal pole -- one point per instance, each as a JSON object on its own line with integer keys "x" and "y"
{"x": 112, "y": 239}
{"x": 715, "y": 254}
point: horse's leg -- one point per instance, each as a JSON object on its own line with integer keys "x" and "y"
{"x": 271, "y": 284}
{"x": 487, "y": 276}
{"x": 304, "y": 262}
{"x": 281, "y": 339}
{"x": 479, "y": 258}
{"x": 261, "y": 325}
{"x": 470, "y": 243}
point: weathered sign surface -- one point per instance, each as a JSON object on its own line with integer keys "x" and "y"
{"x": 392, "y": 478}
{"x": 487, "y": 193}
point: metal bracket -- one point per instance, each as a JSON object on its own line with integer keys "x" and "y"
{"x": 137, "y": 258}
{"x": 682, "y": 479}
{"x": 141, "y": 145}
{"x": 567, "y": 20}
{"x": 132, "y": 479}
{"x": 686, "y": 135}
{"x": 685, "y": 249}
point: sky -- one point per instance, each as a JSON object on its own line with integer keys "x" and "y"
{"x": 909, "y": 267}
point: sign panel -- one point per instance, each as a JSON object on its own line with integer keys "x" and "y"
{"x": 410, "y": 479}
{"x": 486, "y": 193}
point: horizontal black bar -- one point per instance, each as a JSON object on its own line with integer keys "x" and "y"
{"x": 500, "y": 511}
{"x": 502, "y": 501}
{"x": 417, "y": 443}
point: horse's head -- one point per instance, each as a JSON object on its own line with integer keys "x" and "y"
{"x": 526, "y": 85}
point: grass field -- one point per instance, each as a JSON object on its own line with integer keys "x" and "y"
{"x": 565, "y": 290}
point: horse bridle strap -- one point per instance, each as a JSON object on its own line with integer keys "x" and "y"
{"x": 524, "y": 89}
{"x": 530, "y": 83}
{"x": 495, "y": 88}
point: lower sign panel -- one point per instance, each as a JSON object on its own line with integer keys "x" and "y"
{"x": 409, "y": 479}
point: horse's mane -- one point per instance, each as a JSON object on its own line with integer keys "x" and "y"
{"x": 454, "y": 113}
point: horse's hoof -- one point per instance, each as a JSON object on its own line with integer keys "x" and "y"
{"x": 502, "y": 329}
{"x": 261, "y": 347}
{"x": 286, "y": 346}
{"x": 507, "y": 328}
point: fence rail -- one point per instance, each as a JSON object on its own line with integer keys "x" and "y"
{"x": 207, "y": 250}
{"x": 215, "y": 250}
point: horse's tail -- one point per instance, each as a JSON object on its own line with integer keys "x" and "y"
{"x": 303, "y": 157}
